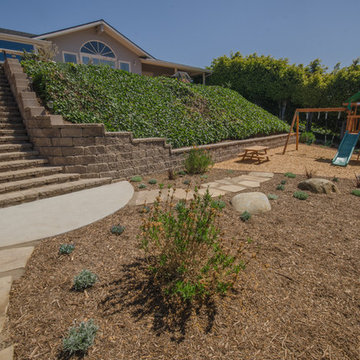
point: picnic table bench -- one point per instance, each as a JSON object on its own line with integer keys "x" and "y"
{"x": 258, "y": 153}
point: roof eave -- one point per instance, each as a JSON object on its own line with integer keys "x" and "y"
{"x": 156, "y": 62}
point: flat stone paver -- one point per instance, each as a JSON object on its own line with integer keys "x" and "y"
{"x": 261, "y": 174}
{"x": 232, "y": 188}
{"x": 14, "y": 259}
{"x": 213, "y": 192}
{"x": 181, "y": 194}
{"x": 249, "y": 178}
{"x": 7, "y": 354}
{"x": 144, "y": 197}
{"x": 250, "y": 184}
{"x": 48, "y": 217}
{"x": 5, "y": 286}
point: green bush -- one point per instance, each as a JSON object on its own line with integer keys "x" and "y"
{"x": 356, "y": 192}
{"x": 136, "y": 178}
{"x": 280, "y": 187}
{"x": 198, "y": 161}
{"x": 84, "y": 280}
{"x": 117, "y": 229}
{"x": 184, "y": 114}
{"x": 301, "y": 195}
{"x": 307, "y": 138}
{"x": 335, "y": 179}
{"x": 290, "y": 175}
{"x": 152, "y": 181}
{"x": 186, "y": 255}
{"x": 245, "y": 216}
{"x": 186, "y": 182}
{"x": 80, "y": 338}
{"x": 181, "y": 173}
{"x": 218, "y": 204}
{"x": 142, "y": 186}
{"x": 66, "y": 248}
{"x": 283, "y": 182}
{"x": 272, "y": 197}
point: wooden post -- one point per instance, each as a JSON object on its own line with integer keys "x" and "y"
{"x": 297, "y": 131}
{"x": 203, "y": 76}
{"x": 291, "y": 129}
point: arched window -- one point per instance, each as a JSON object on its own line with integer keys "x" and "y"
{"x": 97, "y": 53}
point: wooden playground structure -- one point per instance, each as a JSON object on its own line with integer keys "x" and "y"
{"x": 352, "y": 122}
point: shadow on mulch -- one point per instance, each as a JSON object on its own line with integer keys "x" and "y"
{"x": 137, "y": 290}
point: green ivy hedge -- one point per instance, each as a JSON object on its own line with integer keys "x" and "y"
{"x": 186, "y": 114}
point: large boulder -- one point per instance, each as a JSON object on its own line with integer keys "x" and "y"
{"x": 253, "y": 202}
{"x": 319, "y": 186}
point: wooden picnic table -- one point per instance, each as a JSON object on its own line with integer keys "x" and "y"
{"x": 258, "y": 153}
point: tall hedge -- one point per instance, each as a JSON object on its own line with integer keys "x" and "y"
{"x": 186, "y": 114}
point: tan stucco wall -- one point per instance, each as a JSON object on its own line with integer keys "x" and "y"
{"x": 73, "y": 42}
{"x": 157, "y": 70}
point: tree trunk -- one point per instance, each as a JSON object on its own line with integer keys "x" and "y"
{"x": 282, "y": 109}
{"x": 309, "y": 122}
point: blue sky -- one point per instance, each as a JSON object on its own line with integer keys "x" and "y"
{"x": 195, "y": 32}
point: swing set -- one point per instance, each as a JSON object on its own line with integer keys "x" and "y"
{"x": 352, "y": 133}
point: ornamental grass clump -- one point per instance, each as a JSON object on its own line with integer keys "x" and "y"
{"x": 301, "y": 195}
{"x": 198, "y": 161}
{"x": 80, "y": 338}
{"x": 66, "y": 249}
{"x": 245, "y": 216}
{"x": 117, "y": 229}
{"x": 185, "y": 251}
{"x": 356, "y": 192}
{"x": 290, "y": 175}
{"x": 84, "y": 280}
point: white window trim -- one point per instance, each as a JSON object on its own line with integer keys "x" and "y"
{"x": 71, "y": 53}
{"x": 126, "y": 62}
{"x": 99, "y": 56}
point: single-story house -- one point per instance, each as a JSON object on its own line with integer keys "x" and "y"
{"x": 96, "y": 42}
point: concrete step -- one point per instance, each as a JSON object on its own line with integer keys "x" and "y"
{"x": 9, "y": 113}
{"x": 10, "y": 102}
{"x": 8, "y": 107}
{"x": 13, "y": 139}
{"x": 7, "y": 132}
{"x": 15, "y": 147}
{"x": 18, "y": 155}
{"x": 10, "y": 118}
{"x": 29, "y": 173}
{"x": 18, "y": 197}
{"x": 37, "y": 182}
{"x": 6, "y": 166}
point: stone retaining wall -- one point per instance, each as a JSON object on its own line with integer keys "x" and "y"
{"x": 89, "y": 150}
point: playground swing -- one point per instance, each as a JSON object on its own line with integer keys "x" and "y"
{"x": 352, "y": 133}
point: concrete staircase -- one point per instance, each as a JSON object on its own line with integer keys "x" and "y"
{"x": 24, "y": 175}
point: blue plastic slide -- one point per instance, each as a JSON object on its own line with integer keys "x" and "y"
{"x": 345, "y": 149}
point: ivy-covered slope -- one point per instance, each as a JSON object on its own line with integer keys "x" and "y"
{"x": 186, "y": 114}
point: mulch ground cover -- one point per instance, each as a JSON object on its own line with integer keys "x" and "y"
{"x": 298, "y": 297}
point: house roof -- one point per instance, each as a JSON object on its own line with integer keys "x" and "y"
{"x": 103, "y": 26}
{"x": 15, "y": 32}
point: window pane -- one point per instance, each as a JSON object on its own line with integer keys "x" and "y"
{"x": 11, "y": 45}
{"x": 70, "y": 58}
{"x": 108, "y": 62}
{"x": 124, "y": 66}
{"x": 85, "y": 59}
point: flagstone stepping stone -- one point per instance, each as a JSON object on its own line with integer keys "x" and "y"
{"x": 5, "y": 286}
{"x": 254, "y": 203}
{"x": 261, "y": 174}
{"x": 232, "y": 188}
{"x": 248, "y": 183}
{"x": 319, "y": 186}
{"x": 7, "y": 354}
{"x": 210, "y": 184}
{"x": 13, "y": 261}
{"x": 249, "y": 178}
{"x": 144, "y": 197}
{"x": 213, "y": 192}
{"x": 181, "y": 194}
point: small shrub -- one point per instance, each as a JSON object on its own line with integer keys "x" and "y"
{"x": 203, "y": 177}
{"x": 66, "y": 248}
{"x": 198, "y": 161}
{"x": 301, "y": 195}
{"x": 186, "y": 182}
{"x": 142, "y": 186}
{"x": 186, "y": 254}
{"x": 145, "y": 209}
{"x": 290, "y": 175}
{"x": 84, "y": 280}
{"x": 280, "y": 187}
{"x": 136, "y": 178}
{"x": 283, "y": 182}
{"x": 335, "y": 179}
{"x": 117, "y": 229}
{"x": 245, "y": 216}
{"x": 152, "y": 181}
{"x": 272, "y": 197}
{"x": 356, "y": 192}
{"x": 218, "y": 204}
{"x": 181, "y": 173}
{"x": 80, "y": 338}
{"x": 310, "y": 173}
{"x": 172, "y": 174}
{"x": 307, "y": 138}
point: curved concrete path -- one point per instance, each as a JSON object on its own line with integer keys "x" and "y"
{"x": 56, "y": 215}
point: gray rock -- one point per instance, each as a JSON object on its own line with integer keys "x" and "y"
{"x": 319, "y": 186}
{"x": 253, "y": 202}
